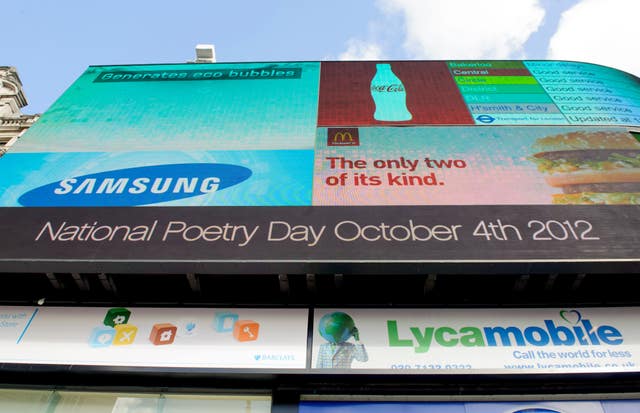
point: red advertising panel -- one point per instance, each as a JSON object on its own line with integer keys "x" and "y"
{"x": 367, "y": 93}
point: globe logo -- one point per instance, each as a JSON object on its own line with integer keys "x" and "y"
{"x": 336, "y": 327}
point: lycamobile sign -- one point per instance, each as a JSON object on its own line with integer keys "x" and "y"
{"x": 577, "y": 332}
{"x": 481, "y": 341}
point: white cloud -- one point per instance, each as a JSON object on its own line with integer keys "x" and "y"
{"x": 599, "y": 31}
{"x": 467, "y": 29}
{"x": 360, "y": 50}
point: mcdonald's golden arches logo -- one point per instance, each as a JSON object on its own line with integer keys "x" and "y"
{"x": 343, "y": 137}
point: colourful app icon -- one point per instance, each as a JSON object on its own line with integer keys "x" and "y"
{"x": 162, "y": 334}
{"x": 225, "y": 322}
{"x": 125, "y": 334}
{"x": 117, "y": 316}
{"x": 102, "y": 336}
{"x": 187, "y": 327}
{"x": 246, "y": 330}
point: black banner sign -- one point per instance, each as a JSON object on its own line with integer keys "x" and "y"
{"x": 320, "y": 239}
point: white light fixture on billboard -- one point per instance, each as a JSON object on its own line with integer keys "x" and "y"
{"x": 205, "y": 53}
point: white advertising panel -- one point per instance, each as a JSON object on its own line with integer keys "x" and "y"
{"x": 155, "y": 337}
{"x": 592, "y": 406}
{"x": 468, "y": 341}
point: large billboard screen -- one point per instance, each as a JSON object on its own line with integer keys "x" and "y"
{"x": 309, "y": 163}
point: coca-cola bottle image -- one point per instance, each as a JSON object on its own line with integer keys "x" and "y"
{"x": 388, "y": 95}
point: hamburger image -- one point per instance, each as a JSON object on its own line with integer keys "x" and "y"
{"x": 599, "y": 167}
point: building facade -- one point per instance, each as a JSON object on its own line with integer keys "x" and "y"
{"x": 323, "y": 237}
{"x": 13, "y": 123}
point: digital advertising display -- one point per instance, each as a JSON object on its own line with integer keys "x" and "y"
{"x": 477, "y": 166}
{"x": 155, "y": 337}
{"x": 334, "y": 341}
{"x": 550, "y": 406}
{"x": 480, "y": 341}
{"x": 227, "y": 166}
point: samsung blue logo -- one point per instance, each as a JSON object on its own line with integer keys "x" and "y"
{"x": 137, "y": 186}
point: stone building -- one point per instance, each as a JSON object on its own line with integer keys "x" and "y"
{"x": 13, "y": 123}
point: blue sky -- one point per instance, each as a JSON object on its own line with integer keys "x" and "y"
{"x": 52, "y": 43}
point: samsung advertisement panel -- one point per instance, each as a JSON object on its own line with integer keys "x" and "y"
{"x": 233, "y": 167}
